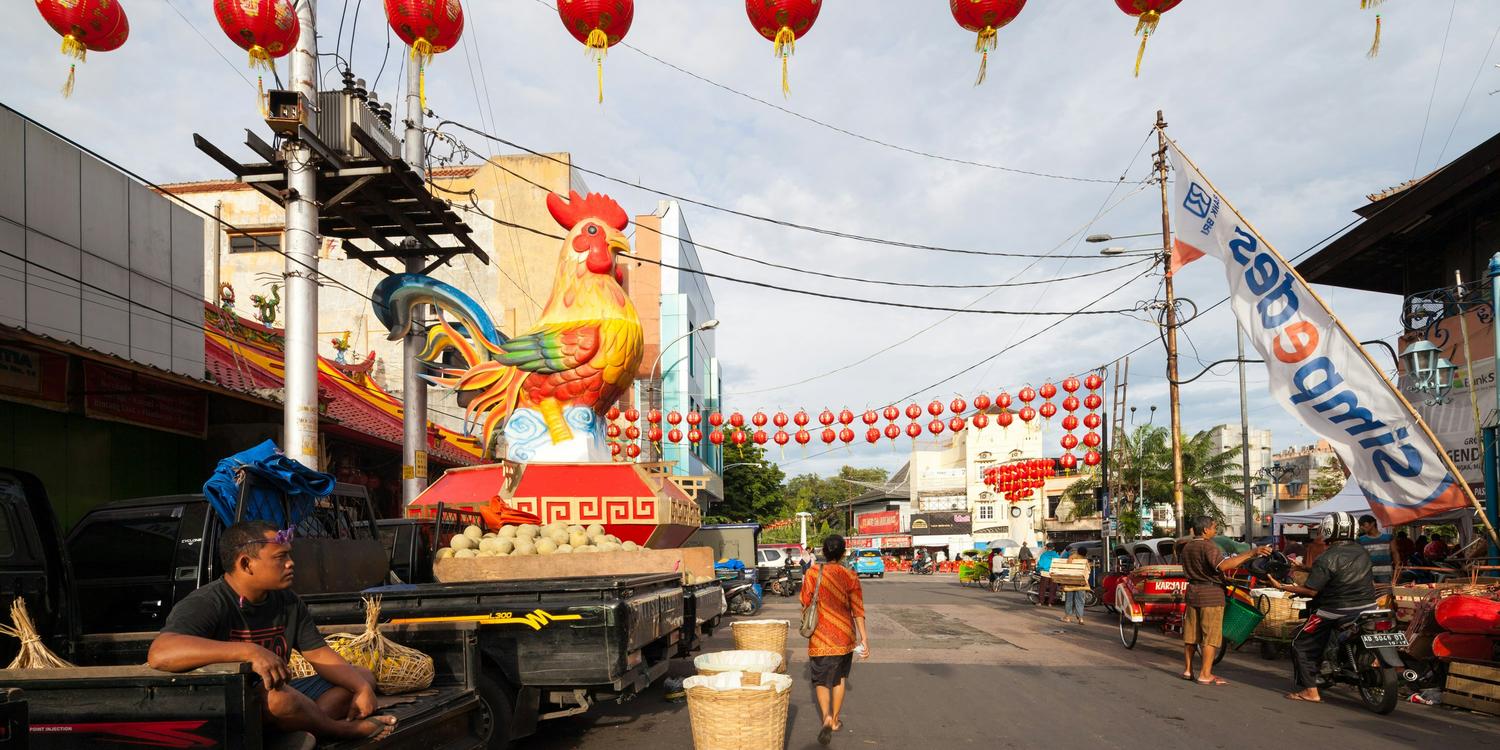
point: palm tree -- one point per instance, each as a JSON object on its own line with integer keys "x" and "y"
{"x": 1145, "y": 471}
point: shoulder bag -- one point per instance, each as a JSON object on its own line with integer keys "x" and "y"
{"x": 810, "y": 612}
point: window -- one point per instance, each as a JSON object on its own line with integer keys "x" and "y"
{"x": 987, "y": 512}
{"x": 133, "y": 544}
{"x": 255, "y": 242}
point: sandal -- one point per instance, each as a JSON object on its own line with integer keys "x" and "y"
{"x": 1299, "y": 697}
{"x": 825, "y": 735}
{"x": 1186, "y": 676}
{"x": 1215, "y": 681}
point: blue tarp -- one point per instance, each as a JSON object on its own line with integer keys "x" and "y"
{"x": 274, "y": 477}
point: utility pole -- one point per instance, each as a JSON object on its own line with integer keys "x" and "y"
{"x": 413, "y": 387}
{"x": 1174, "y": 401}
{"x": 300, "y": 401}
{"x": 1239, "y": 343}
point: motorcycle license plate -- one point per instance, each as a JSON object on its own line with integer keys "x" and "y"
{"x": 1384, "y": 640}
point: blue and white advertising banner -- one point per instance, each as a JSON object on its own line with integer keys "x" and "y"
{"x": 1317, "y": 371}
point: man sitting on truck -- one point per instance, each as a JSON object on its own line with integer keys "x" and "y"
{"x": 251, "y": 615}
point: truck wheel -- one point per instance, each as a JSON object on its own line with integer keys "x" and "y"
{"x": 491, "y": 723}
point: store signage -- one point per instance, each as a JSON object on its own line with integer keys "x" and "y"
{"x": 941, "y": 523}
{"x": 883, "y": 522}
{"x": 943, "y": 502}
{"x": 122, "y": 396}
{"x": 34, "y": 377}
{"x": 896, "y": 541}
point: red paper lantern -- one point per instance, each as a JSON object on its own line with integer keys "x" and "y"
{"x": 984, "y": 17}
{"x": 694, "y": 418}
{"x": 716, "y": 419}
{"x": 958, "y": 406}
{"x": 633, "y": 450}
{"x": 872, "y": 435}
{"x": 1047, "y": 390}
{"x": 1069, "y": 461}
{"x": 1070, "y": 403}
{"x": 981, "y": 402}
{"x": 736, "y": 420}
{"x": 914, "y": 430}
{"x": 846, "y": 417}
{"x": 1003, "y": 400}
{"x": 633, "y": 433}
{"x": 825, "y": 418}
{"x": 1092, "y": 421}
{"x": 1048, "y": 410}
{"x": 802, "y": 437}
{"x": 654, "y": 434}
{"x": 1070, "y": 384}
{"x": 913, "y": 411}
{"x": 759, "y": 437}
{"x": 870, "y": 417}
{"x": 1026, "y": 394}
{"x": 780, "y": 420}
{"x": 980, "y": 421}
{"x": 1092, "y": 439}
{"x": 1004, "y": 418}
{"x": 654, "y": 416}
{"x": 632, "y": 415}
{"x": 599, "y": 25}
{"x": 758, "y": 419}
{"x": 85, "y": 26}
{"x": 957, "y": 424}
{"x": 614, "y": 449}
{"x": 1092, "y": 458}
{"x": 801, "y": 418}
{"x": 674, "y": 418}
{"x": 695, "y": 435}
{"x": 893, "y": 431}
{"x": 891, "y": 413}
{"x": 716, "y": 437}
{"x": 1070, "y": 423}
{"x": 738, "y": 437}
{"x": 846, "y": 435}
{"x": 612, "y": 431}
{"x": 429, "y": 27}
{"x": 1092, "y": 401}
{"x": 1027, "y": 414}
{"x": 935, "y": 426}
{"x": 1147, "y": 14}
{"x": 781, "y": 437}
{"x": 783, "y": 22}
{"x": 829, "y": 435}
{"x": 613, "y": 413}
{"x": 267, "y": 29}
{"x": 935, "y": 408}
{"x": 1093, "y": 382}
{"x": 1069, "y": 441}
{"x": 674, "y": 436}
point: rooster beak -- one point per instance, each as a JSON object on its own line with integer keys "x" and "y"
{"x": 621, "y": 246}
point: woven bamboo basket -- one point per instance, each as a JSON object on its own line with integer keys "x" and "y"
{"x": 748, "y": 661}
{"x": 1282, "y": 617}
{"x": 397, "y": 668}
{"x": 730, "y": 712}
{"x": 762, "y": 635}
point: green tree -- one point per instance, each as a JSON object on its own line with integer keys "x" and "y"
{"x": 821, "y": 496}
{"x": 1327, "y": 482}
{"x": 752, "y": 490}
{"x": 1145, "y": 472}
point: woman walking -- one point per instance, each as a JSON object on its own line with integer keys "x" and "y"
{"x": 840, "y": 632}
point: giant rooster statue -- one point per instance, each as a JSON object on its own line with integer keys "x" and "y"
{"x": 548, "y": 388}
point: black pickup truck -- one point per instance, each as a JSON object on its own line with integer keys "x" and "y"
{"x": 545, "y": 648}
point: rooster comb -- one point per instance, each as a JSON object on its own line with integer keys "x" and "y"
{"x": 575, "y": 208}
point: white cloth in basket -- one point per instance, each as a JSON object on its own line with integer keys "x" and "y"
{"x": 738, "y": 661}
{"x": 731, "y": 681}
{"x": 738, "y": 623}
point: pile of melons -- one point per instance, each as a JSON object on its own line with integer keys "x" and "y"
{"x": 530, "y": 539}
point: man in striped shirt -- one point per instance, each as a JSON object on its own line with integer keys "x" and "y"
{"x": 1378, "y": 545}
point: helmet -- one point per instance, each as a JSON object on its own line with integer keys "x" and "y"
{"x": 1338, "y": 526}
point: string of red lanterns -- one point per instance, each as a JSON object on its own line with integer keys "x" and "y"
{"x": 985, "y": 17}
{"x": 783, "y": 22}
{"x": 599, "y": 25}
{"x": 429, "y": 27}
{"x": 85, "y": 26}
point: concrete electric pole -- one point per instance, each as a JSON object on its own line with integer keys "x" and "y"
{"x": 300, "y": 402}
{"x": 413, "y": 387}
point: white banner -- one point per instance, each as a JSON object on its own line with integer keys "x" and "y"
{"x": 1317, "y": 372}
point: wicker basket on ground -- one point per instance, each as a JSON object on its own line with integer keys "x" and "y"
{"x": 721, "y": 662}
{"x": 762, "y": 635}
{"x": 738, "y": 710}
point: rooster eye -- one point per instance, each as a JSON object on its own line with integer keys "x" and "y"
{"x": 593, "y": 229}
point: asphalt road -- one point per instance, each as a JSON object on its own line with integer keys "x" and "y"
{"x": 953, "y": 666}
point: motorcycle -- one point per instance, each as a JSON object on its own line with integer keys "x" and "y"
{"x": 1365, "y": 652}
{"x": 923, "y": 567}
{"x": 786, "y": 582}
{"x": 743, "y": 595}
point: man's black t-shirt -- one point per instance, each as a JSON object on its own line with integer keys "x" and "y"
{"x": 279, "y": 623}
{"x": 1343, "y": 576}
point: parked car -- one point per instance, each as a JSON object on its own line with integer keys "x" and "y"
{"x": 869, "y": 562}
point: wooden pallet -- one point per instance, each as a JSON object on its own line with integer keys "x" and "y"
{"x": 1473, "y": 686}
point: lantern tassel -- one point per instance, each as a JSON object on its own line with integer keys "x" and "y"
{"x": 67, "y": 89}
{"x": 260, "y": 58}
{"x": 1375, "y": 45}
{"x": 421, "y": 50}
{"x": 597, "y": 47}
{"x": 1145, "y": 26}
{"x": 1367, "y": 4}
{"x": 74, "y": 48}
{"x": 786, "y": 46}
{"x": 983, "y": 44}
{"x": 422, "y": 84}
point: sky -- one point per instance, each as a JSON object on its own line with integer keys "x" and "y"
{"x": 1277, "y": 102}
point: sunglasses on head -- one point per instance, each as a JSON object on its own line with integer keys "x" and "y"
{"x": 281, "y": 537}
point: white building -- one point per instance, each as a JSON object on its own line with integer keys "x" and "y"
{"x": 951, "y": 507}
{"x": 1225, "y": 437}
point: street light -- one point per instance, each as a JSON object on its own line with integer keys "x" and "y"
{"x": 1430, "y": 372}
{"x": 1274, "y": 475}
{"x": 1097, "y": 238}
{"x": 654, "y": 372}
{"x": 1113, "y": 250}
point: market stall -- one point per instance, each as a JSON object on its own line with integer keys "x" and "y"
{"x": 1352, "y": 500}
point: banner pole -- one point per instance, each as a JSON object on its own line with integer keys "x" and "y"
{"x": 1410, "y": 410}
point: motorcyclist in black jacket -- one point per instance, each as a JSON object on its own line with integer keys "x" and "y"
{"x": 1342, "y": 585}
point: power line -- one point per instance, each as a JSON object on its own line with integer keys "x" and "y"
{"x": 845, "y": 131}
{"x": 1436, "y": 76}
{"x": 1470, "y": 93}
{"x": 746, "y": 215}
{"x": 211, "y": 45}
